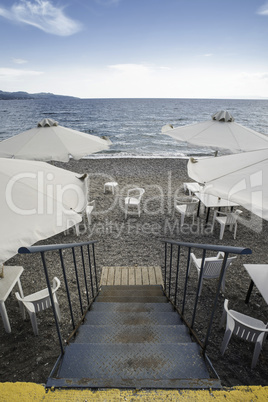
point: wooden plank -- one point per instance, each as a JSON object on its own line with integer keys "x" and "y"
{"x": 152, "y": 279}
{"x": 110, "y": 278}
{"x": 104, "y": 276}
{"x": 138, "y": 275}
{"x": 131, "y": 276}
{"x": 145, "y": 276}
{"x": 158, "y": 274}
{"x": 124, "y": 280}
{"x": 117, "y": 276}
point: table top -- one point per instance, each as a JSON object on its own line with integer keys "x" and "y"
{"x": 193, "y": 186}
{"x": 211, "y": 201}
{"x": 259, "y": 275}
{"x": 11, "y": 276}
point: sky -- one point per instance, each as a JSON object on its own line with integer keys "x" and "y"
{"x": 135, "y": 48}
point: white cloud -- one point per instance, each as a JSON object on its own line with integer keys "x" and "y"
{"x": 130, "y": 68}
{"x": 14, "y": 73}
{"x": 19, "y": 61}
{"x": 43, "y": 15}
{"x": 255, "y": 76}
{"x": 108, "y": 2}
{"x": 263, "y": 10}
{"x": 207, "y": 54}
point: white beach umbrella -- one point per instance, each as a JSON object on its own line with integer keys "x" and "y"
{"x": 49, "y": 141}
{"x": 219, "y": 132}
{"x": 37, "y": 201}
{"x": 242, "y": 178}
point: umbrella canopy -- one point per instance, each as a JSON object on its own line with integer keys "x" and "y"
{"x": 37, "y": 201}
{"x": 242, "y": 178}
{"x": 49, "y": 141}
{"x": 219, "y": 132}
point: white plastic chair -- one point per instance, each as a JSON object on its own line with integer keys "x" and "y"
{"x": 245, "y": 327}
{"x": 86, "y": 214}
{"x": 133, "y": 199}
{"x": 39, "y": 301}
{"x": 226, "y": 219}
{"x": 187, "y": 208}
{"x": 212, "y": 267}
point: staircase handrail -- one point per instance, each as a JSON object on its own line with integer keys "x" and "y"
{"x": 169, "y": 269}
{"x": 90, "y": 276}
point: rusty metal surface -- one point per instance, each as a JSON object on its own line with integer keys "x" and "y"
{"x": 132, "y": 307}
{"x": 121, "y": 362}
{"x": 135, "y": 299}
{"x": 125, "y": 318}
{"x": 125, "y": 334}
{"x": 133, "y": 340}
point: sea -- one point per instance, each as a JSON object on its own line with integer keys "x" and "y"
{"x": 132, "y": 125}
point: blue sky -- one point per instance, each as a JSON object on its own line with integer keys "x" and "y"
{"x": 135, "y": 48}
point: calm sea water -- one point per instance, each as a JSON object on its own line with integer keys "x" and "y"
{"x": 133, "y": 125}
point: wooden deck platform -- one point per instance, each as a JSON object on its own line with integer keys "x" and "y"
{"x": 131, "y": 276}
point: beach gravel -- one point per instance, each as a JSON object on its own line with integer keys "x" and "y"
{"x": 137, "y": 241}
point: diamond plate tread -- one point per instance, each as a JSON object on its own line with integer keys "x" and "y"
{"x": 103, "y": 364}
{"x": 125, "y": 334}
{"x": 152, "y": 318}
{"x": 131, "y": 291}
{"x": 131, "y": 307}
{"x": 127, "y": 299}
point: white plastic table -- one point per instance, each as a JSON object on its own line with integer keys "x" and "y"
{"x": 110, "y": 185}
{"x": 11, "y": 278}
{"x": 192, "y": 187}
{"x": 259, "y": 277}
{"x": 211, "y": 201}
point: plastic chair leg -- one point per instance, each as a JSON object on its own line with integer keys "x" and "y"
{"x": 34, "y": 323}
{"x": 222, "y": 231}
{"x": 226, "y": 340}
{"x": 257, "y": 351}
{"x": 235, "y": 229}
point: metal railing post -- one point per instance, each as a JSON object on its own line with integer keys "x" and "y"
{"x": 199, "y": 286}
{"x": 77, "y": 281}
{"x": 204, "y": 247}
{"x": 170, "y": 268}
{"x": 52, "y": 302}
{"x": 216, "y": 299}
{"x": 95, "y": 268}
{"x": 67, "y": 288}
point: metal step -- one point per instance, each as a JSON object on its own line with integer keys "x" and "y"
{"x": 131, "y": 307}
{"x": 105, "y": 288}
{"x": 127, "y": 299}
{"x": 133, "y": 365}
{"x": 125, "y": 334}
{"x": 126, "y": 318}
{"x": 131, "y": 291}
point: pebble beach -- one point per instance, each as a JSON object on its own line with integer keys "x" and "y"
{"x": 136, "y": 241}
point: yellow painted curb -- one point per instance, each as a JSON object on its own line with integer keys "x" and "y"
{"x": 26, "y": 392}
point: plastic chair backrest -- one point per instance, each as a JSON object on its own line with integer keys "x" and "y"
{"x": 231, "y": 218}
{"x": 43, "y": 301}
{"x": 139, "y": 191}
{"x": 242, "y": 325}
{"x": 212, "y": 268}
{"x": 191, "y": 206}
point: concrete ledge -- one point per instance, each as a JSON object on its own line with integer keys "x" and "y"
{"x": 26, "y": 392}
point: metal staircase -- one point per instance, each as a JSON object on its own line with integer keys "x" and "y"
{"x": 132, "y": 338}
